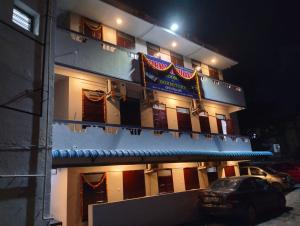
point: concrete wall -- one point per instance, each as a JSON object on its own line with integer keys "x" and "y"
{"x": 164, "y": 210}
{"x": 25, "y": 116}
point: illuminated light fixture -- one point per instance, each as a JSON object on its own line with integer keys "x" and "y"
{"x": 213, "y": 60}
{"x": 174, "y": 27}
{"x": 119, "y": 21}
{"x": 174, "y": 44}
{"x": 198, "y": 68}
{"x": 157, "y": 55}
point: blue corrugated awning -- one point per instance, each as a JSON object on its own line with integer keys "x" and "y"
{"x": 99, "y": 153}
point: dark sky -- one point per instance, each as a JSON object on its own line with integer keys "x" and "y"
{"x": 262, "y": 35}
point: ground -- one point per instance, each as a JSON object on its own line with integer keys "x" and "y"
{"x": 290, "y": 217}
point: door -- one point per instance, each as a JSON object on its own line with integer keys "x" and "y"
{"x": 221, "y": 123}
{"x": 165, "y": 181}
{"x": 93, "y": 187}
{"x": 184, "y": 119}
{"x": 191, "y": 178}
{"x": 229, "y": 171}
{"x": 204, "y": 124}
{"x": 130, "y": 112}
{"x": 160, "y": 116}
{"x": 133, "y": 184}
{"x": 93, "y": 106}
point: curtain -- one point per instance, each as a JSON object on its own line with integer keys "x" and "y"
{"x": 93, "y": 106}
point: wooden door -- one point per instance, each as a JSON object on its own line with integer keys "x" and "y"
{"x": 191, "y": 178}
{"x": 165, "y": 181}
{"x": 204, "y": 124}
{"x": 134, "y": 184}
{"x": 184, "y": 119}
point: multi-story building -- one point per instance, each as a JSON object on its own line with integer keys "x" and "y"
{"x": 142, "y": 118}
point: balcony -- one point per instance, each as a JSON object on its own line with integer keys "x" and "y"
{"x": 100, "y": 144}
{"x": 223, "y": 92}
{"x": 77, "y": 51}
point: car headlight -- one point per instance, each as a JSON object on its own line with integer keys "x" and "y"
{"x": 284, "y": 179}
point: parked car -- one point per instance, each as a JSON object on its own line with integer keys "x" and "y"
{"x": 290, "y": 168}
{"x": 243, "y": 196}
{"x": 279, "y": 180}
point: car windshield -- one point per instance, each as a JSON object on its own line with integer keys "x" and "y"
{"x": 227, "y": 184}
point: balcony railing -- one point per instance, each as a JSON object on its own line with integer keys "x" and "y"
{"x": 75, "y": 50}
{"x": 101, "y": 143}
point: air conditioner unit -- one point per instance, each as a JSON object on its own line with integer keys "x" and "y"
{"x": 151, "y": 168}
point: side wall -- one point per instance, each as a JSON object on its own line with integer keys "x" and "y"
{"x": 26, "y": 115}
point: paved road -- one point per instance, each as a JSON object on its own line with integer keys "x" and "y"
{"x": 290, "y": 217}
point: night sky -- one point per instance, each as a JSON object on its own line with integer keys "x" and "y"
{"x": 263, "y": 36}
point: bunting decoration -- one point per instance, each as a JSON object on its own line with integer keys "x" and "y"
{"x": 91, "y": 28}
{"x": 165, "y": 76}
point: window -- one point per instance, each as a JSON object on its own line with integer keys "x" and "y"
{"x": 91, "y": 28}
{"x": 93, "y": 105}
{"x": 93, "y": 187}
{"x": 165, "y": 181}
{"x": 184, "y": 119}
{"x": 221, "y": 123}
{"x": 256, "y": 172}
{"x": 212, "y": 174}
{"x": 125, "y": 40}
{"x": 191, "y": 178}
{"x": 160, "y": 116}
{"x": 134, "y": 184}
{"x": 229, "y": 171}
{"x": 177, "y": 59}
{"x": 204, "y": 123}
{"x": 153, "y": 50}
{"x": 213, "y": 73}
{"x": 22, "y": 19}
{"x": 243, "y": 171}
{"x": 196, "y": 64}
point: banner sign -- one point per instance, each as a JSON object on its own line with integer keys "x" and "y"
{"x": 164, "y": 76}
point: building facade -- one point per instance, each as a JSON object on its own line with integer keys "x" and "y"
{"x": 142, "y": 118}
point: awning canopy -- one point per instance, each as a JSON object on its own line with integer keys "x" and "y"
{"x": 67, "y": 157}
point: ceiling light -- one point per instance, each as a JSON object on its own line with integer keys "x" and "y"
{"x": 198, "y": 68}
{"x": 174, "y": 27}
{"x": 174, "y": 44}
{"x": 119, "y": 21}
{"x": 213, "y": 60}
